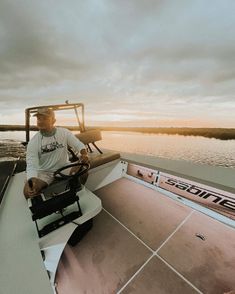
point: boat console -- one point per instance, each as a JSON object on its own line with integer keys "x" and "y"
{"x": 56, "y": 202}
{"x": 63, "y": 213}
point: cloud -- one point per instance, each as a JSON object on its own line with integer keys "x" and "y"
{"x": 133, "y": 55}
{"x": 32, "y": 53}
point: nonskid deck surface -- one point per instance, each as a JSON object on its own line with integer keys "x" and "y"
{"x": 145, "y": 242}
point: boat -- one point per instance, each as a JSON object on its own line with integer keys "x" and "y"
{"x": 140, "y": 224}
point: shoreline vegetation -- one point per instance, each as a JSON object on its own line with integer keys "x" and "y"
{"x": 217, "y": 133}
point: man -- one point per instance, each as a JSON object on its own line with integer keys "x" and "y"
{"x": 47, "y": 151}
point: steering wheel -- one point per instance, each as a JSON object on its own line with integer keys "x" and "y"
{"x": 84, "y": 167}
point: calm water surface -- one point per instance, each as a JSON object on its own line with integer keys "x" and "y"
{"x": 190, "y": 148}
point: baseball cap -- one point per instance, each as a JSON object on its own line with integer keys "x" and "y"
{"x": 45, "y": 111}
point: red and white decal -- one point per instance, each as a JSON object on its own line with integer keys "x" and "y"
{"x": 215, "y": 199}
{"x": 143, "y": 173}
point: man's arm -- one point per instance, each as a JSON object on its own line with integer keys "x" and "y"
{"x": 32, "y": 160}
{"x": 78, "y": 146}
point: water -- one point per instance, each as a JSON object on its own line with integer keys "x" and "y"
{"x": 190, "y": 148}
{"x": 10, "y": 150}
{"x": 200, "y": 150}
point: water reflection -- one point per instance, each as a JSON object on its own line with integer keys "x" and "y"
{"x": 191, "y": 148}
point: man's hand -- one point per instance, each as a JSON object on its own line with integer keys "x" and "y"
{"x": 84, "y": 156}
{"x": 32, "y": 187}
{"x": 83, "y": 159}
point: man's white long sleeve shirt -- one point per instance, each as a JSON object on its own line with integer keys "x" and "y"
{"x": 48, "y": 153}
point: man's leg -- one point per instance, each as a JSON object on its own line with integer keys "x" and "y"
{"x": 83, "y": 178}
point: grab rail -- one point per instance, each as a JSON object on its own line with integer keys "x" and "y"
{"x": 6, "y": 182}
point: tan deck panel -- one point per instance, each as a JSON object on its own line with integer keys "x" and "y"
{"x": 103, "y": 261}
{"x": 156, "y": 277}
{"x": 147, "y": 213}
{"x": 209, "y": 264}
{"x": 97, "y": 159}
{"x": 110, "y": 258}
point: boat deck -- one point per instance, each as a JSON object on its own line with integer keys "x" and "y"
{"x": 145, "y": 242}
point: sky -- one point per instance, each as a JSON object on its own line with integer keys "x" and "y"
{"x": 131, "y": 62}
